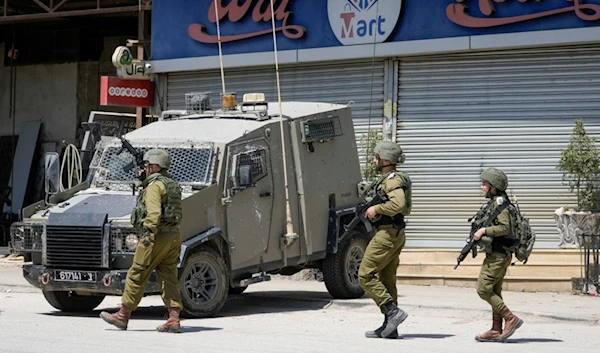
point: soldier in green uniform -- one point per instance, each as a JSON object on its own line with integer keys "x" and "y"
{"x": 377, "y": 272}
{"x": 496, "y": 241}
{"x": 157, "y": 215}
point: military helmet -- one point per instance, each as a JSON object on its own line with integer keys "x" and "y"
{"x": 496, "y": 178}
{"x": 390, "y": 151}
{"x": 158, "y": 156}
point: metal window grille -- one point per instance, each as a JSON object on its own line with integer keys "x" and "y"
{"x": 189, "y": 166}
{"x": 257, "y": 162}
{"x": 321, "y": 129}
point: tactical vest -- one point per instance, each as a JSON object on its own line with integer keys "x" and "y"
{"x": 489, "y": 244}
{"x": 171, "y": 210}
{"x": 397, "y": 220}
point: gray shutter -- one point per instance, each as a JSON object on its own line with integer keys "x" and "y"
{"x": 514, "y": 111}
{"x": 333, "y": 82}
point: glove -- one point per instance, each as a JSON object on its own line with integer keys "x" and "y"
{"x": 146, "y": 238}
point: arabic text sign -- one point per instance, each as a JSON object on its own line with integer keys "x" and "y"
{"x": 188, "y": 28}
{"x": 461, "y": 14}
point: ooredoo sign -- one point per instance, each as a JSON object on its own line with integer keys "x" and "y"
{"x": 127, "y": 93}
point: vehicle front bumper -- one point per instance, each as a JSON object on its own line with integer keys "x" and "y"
{"x": 111, "y": 282}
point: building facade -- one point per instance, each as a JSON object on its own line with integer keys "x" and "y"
{"x": 461, "y": 85}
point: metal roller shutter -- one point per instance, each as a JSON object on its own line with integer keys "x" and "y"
{"x": 331, "y": 82}
{"x": 514, "y": 111}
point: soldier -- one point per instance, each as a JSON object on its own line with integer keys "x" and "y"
{"x": 377, "y": 272}
{"x": 157, "y": 215}
{"x": 496, "y": 241}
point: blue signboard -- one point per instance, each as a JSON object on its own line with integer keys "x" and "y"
{"x": 188, "y": 28}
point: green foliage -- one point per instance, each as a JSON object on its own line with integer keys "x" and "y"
{"x": 580, "y": 164}
{"x": 367, "y": 143}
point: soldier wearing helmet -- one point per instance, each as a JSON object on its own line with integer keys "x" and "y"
{"x": 498, "y": 240}
{"x": 157, "y": 215}
{"x": 377, "y": 272}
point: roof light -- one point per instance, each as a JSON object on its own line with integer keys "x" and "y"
{"x": 254, "y": 97}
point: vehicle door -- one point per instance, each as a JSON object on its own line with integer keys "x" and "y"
{"x": 249, "y": 200}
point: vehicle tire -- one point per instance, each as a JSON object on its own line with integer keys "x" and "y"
{"x": 72, "y": 302}
{"x": 204, "y": 283}
{"x": 237, "y": 290}
{"x": 340, "y": 270}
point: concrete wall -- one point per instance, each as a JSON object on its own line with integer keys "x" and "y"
{"x": 43, "y": 92}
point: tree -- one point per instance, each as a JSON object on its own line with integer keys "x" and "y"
{"x": 367, "y": 143}
{"x": 580, "y": 164}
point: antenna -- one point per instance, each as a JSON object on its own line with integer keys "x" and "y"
{"x": 220, "y": 51}
{"x": 371, "y": 101}
{"x": 290, "y": 236}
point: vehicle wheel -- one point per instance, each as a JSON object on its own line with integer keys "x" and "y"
{"x": 204, "y": 283}
{"x": 71, "y": 301}
{"x": 340, "y": 270}
{"x": 237, "y": 290}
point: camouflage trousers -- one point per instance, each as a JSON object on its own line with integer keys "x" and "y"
{"x": 164, "y": 258}
{"x": 491, "y": 277}
{"x": 377, "y": 272}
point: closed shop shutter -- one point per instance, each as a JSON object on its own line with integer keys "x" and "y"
{"x": 332, "y": 82}
{"x": 458, "y": 115}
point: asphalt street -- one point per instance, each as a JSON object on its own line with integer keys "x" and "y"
{"x": 300, "y": 316}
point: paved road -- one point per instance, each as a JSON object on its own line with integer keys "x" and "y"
{"x": 294, "y": 316}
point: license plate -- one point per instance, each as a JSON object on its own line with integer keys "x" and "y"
{"x": 74, "y": 276}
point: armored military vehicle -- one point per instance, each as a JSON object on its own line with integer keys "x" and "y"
{"x": 229, "y": 164}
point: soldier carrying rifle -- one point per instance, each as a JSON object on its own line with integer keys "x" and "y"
{"x": 377, "y": 272}
{"x": 496, "y": 240}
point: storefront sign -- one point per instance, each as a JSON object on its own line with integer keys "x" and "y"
{"x": 460, "y": 13}
{"x": 188, "y": 28}
{"x": 234, "y": 12}
{"x": 127, "y": 93}
{"x": 129, "y": 68}
{"x": 363, "y": 21}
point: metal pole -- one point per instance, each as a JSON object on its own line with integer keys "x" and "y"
{"x": 139, "y": 111}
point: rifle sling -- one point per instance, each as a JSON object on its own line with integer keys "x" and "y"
{"x": 495, "y": 214}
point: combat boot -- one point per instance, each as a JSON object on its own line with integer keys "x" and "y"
{"x": 377, "y": 332}
{"x": 172, "y": 325}
{"x": 493, "y": 335}
{"x": 511, "y": 323}
{"x": 394, "y": 316}
{"x": 120, "y": 319}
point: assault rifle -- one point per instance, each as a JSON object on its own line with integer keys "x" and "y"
{"x": 470, "y": 247}
{"x": 359, "y": 215}
{"x": 138, "y": 156}
{"x": 477, "y": 224}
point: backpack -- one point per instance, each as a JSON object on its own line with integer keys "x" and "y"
{"x": 522, "y": 232}
{"x": 407, "y": 187}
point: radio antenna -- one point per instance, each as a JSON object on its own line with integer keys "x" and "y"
{"x": 370, "y": 152}
{"x": 290, "y": 237}
{"x": 219, "y": 44}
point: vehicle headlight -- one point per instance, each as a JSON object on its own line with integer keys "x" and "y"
{"x": 131, "y": 241}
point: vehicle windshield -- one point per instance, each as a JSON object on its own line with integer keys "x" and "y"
{"x": 191, "y": 166}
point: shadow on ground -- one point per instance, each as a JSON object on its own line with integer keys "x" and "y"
{"x": 425, "y": 335}
{"x": 533, "y": 340}
{"x": 237, "y": 305}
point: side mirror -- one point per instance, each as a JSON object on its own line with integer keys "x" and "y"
{"x": 51, "y": 173}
